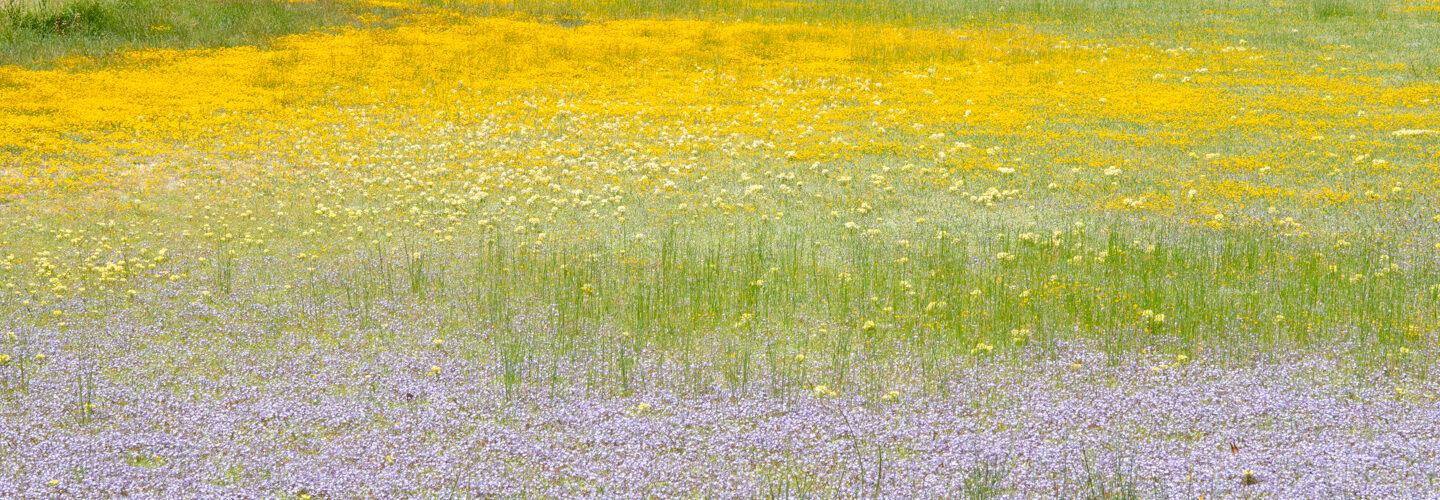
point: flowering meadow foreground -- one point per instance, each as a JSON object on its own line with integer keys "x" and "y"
{"x": 731, "y": 249}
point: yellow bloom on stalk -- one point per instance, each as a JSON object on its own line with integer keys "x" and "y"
{"x": 1247, "y": 477}
{"x": 1020, "y": 336}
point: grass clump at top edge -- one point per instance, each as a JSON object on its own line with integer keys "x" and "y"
{"x": 39, "y": 33}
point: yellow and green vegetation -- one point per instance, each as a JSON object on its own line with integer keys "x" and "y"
{"x": 759, "y": 179}
{"x": 832, "y": 197}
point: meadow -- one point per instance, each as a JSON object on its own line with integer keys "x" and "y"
{"x": 719, "y": 248}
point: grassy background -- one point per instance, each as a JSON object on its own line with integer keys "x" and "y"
{"x": 38, "y": 33}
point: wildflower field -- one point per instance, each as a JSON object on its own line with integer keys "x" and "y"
{"x": 720, "y": 248}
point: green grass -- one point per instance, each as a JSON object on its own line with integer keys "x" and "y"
{"x": 1424, "y": 66}
{"x": 756, "y": 295}
{"x": 985, "y": 480}
{"x": 1331, "y": 9}
{"x": 40, "y": 33}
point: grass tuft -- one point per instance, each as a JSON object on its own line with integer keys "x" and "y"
{"x": 1424, "y": 66}
{"x": 985, "y": 480}
{"x": 42, "y": 33}
{"x": 1332, "y": 9}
